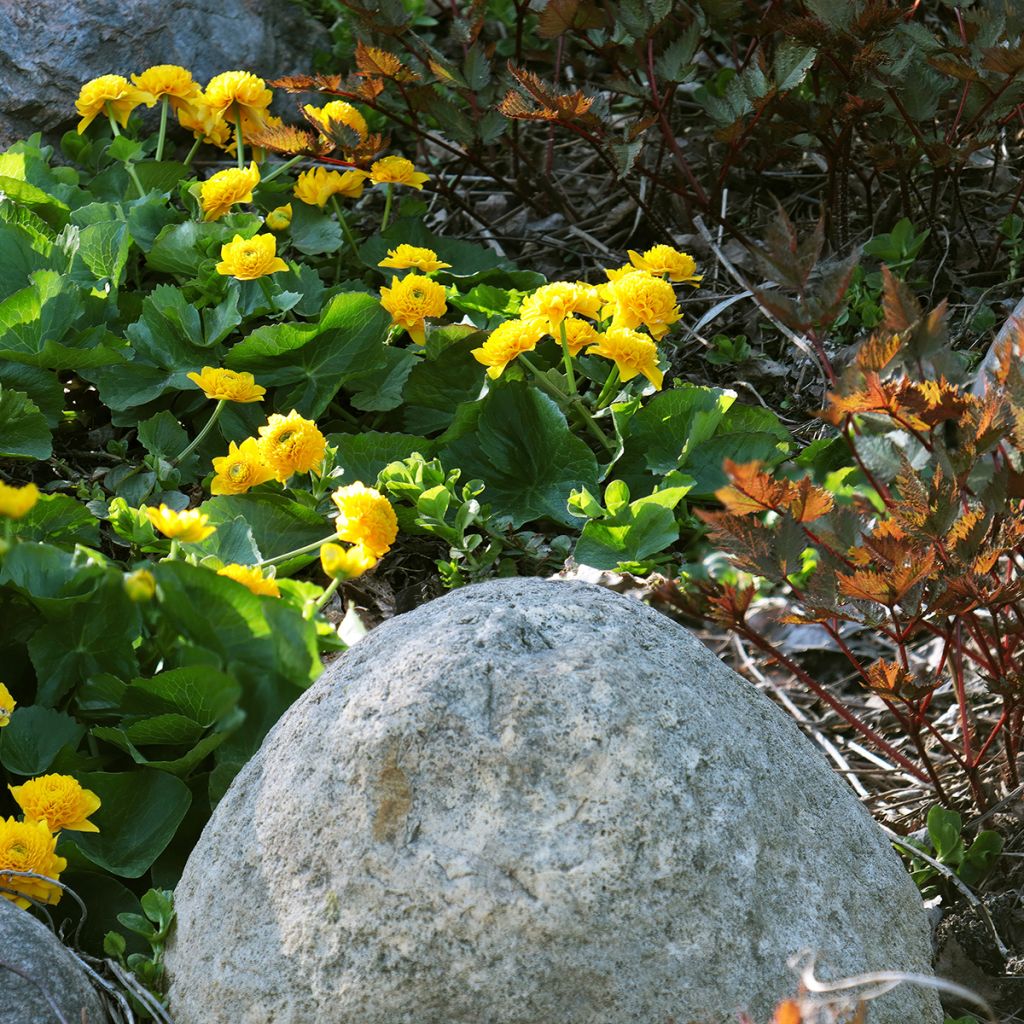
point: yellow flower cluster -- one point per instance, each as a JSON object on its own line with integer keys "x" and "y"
{"x": 227, "y": 385}
{"x": 316, "y": 186}
{"x": 210, "y": 113}
{"x": 49, "y": 804}
{"x": 188, "y": 527}
{"x": 17, "y": 502}
{"x": 635, "y": 296}
{"x": 7, "y": 705}
{"x": 337, "y": 112}
{"x": 413, "y": 299}
{"x": 224, "y": 189}
{"x": 367, "y": 521}
{"x": 251, "y": 576}
{"x": 396, "y": 170}
{"x": 248, "y": 259}
{"x": 286, "y": 445}
{"x": 413, "y": 257}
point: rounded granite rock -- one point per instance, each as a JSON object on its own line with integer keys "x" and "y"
{"x": 535, "y": 802}
{"x": 37, "y": 973}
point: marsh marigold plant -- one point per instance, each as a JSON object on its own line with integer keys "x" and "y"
{"x": 249, "y": 259}
{"x": 189, "y": 527}
{"x": 227, "y": 385}
{"x": 291, "y": 444}
{"x": 226, "y": 188}
{"x": 413, "y": 300}
{"x": 366, "y": 518}
{"x": 29, "y": 846}
{"x": 58, "y": 800}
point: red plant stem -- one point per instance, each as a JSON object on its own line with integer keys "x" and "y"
{"x": 848, "y": 716}
{"x": 670, "y": 136}
{"x": 993, "y": 734}
{"x": 957, "y": 666}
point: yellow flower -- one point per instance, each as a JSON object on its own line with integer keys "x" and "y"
{"x": 640, "y": 298}
{"x": 29, "y": 846}
{"x": 225, "y": 188}
{"x": 243, "y": 467}
{"x": 227, "y": 385}
{"x": 340, "y": 564}
{"x": 396, "y": 170}
{"x": 290, "y": 444}
{"x": 412, "y": 257}
{"x": 614, "y": 273}
{"x": 189, "y": 526}
{"x": 337, "y": 112}
{"x": 250, "y": 258}
{"x": 16, "y": 502}
{"x": 663, "y": 259}
{"x": 109, "y": 92}
{"x": 140, "y": 586}
{"x": 59, "y": 800}
{"x": 251, "y": 576}
{"x": 632, "y": 352}
{"x": 552, "y": 303}
{"x": 239, "y": 94}
{"x": 315, "y": 186}
{"x": 168, "y": 80}
{"x": 7, "y": 706}
{"x": 579, "y": 333}
{"x": 205, "y": 123}
{"x": 279, "y": 218}
{"x": 411, "y": 300}
{"x": 507, "y": 341}
{"x": 365, "y": 518}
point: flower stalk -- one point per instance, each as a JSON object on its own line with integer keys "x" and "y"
{"x": 218, "y": 409}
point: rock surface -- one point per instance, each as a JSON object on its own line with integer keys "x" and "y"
{"x": 50, "y": 47}
{"x": 41, "y": 965}
{"x": 532, "y": 802}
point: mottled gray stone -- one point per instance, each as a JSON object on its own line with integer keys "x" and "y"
{"x": 534, "y": 802}
{"x": 48, "y": 48}
{"x": 42, "y": 968}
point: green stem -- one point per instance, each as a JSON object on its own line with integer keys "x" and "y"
{"x": 567, "y": 359}
{"x": 267, "y": 291}
{"x": 329, "y": 591}
{"x": 192, "y": 152}
{"x": 202, "y": 433}
{"x": 127, "y": 163}
{"x": 609, "y": 387}
{"x": 572, "y": 400}
{"x": 298, "y": 551}
{"x": 387, "y": 207}
{"x": 163, "y": 130}
{"x": 281, "y": 168}
{"x": 343, "y": 221}
{"x": 239, "y": 144}
{"x": 172, "y": 555}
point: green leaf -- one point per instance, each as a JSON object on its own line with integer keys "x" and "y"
{"x": 631, "y": 536}
{"x": 278, "y": 523}
{"x": 363, "y": 456}
{"x": 447, "y": 378}
{"x": 59, "y": 519}
{"x": 24, "y": 433}
{"x": 42, "y": 386}
{"x": 34, "y": 737}
{"x": 314, "y": 232}
{"x": 526, "y": 455}
{"x": 220, "y": 320}
{"x": 232, "y": 543}
{"x": 380, "y": 389}
{"x": 104, "y": 248}
{"x": 162, "y": 435}
{"x": 160, "y": 175}
{"x": 19, "y": 260}
{"x": 310, "y": 362}
{"x": 42, "y": 204}
{"x": 202, "y": 694}
{"x": 138, "y": 816}
{"x": 944, "y": 832}
{"x": 675, "y": 423}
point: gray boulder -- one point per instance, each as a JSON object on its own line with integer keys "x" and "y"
{"x": 37, "y": 974}
{"x": 535, "y": 802}
{"x": 50, "y": 47}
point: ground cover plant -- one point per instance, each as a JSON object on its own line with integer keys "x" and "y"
{"x": 248, "y": 367}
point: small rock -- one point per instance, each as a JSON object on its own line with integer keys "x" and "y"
{"x": 535, "y": 802}
{"x": 49, "y": 48}
{"x": 42, "y": 968}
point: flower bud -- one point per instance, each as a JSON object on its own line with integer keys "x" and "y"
{"x": 140, "y": 586}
